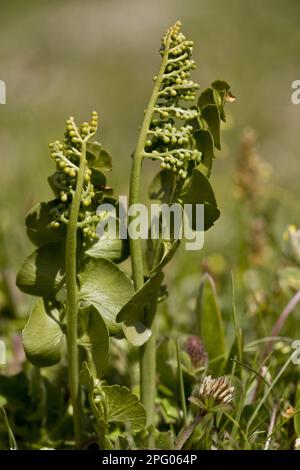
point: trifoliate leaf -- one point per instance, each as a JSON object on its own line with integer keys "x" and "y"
{"x": 123, "y": 407}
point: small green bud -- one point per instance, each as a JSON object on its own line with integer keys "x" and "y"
{"x": 85, "y": 130}
{"x": 86, "y": 202}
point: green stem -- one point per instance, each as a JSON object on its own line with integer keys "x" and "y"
{"x": 187, "y": 431}
{"x": 181, "y": 384}
{"x": 148, "y": 355}
{"x": 147, "y": 352}
{"x": 72, "y": 297}
{"x": 148, "y": 365}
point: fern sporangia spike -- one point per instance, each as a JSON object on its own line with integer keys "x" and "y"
{"x": 168, "y": 141}
{"x": 77, "y": 201}
{"x": 67, "y": 155}
{"x": 165, "y": 135}
{"x": 181, "y": 134}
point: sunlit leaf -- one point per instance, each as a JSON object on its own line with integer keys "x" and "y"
{"x": 106, "y": 287}
{"x": 123, "y": 407}
{"x": 109, "y": 247}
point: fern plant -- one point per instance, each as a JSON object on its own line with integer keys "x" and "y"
{"x": 182, "y": 137}
{"x": 75, "y": 276}
{"x": 84, "y": 297}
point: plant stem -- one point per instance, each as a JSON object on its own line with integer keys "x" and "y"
{"x": 148, "y": 365}
{"x": 181, "y": 384}
{"x": 72, "y": 297}
{"x": 147, "y": 352}
{"x": 187, "y": 431}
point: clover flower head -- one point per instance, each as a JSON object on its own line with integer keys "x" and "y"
{"x": 214, "y": 394}
{"x": 195, "y": 349}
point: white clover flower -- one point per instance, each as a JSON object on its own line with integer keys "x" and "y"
{"x": 214, "y": 394}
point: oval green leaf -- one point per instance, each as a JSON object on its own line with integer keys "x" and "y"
{"x": 42, "y": 337}
{"x": 38, "y": 226}
{"x": 106, "y": 287}
{"x": 42, "y": 272}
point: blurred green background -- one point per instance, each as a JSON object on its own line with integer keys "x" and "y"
{"x": 64, "y": 58}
